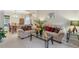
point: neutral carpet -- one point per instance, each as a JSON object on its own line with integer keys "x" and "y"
{"x": 12, "y": 41}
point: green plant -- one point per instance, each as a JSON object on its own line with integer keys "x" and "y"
{"x": 41, "y": 24}
{"x": 2, "y": 34}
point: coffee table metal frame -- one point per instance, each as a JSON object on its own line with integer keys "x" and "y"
{"x": 43, "y": 39}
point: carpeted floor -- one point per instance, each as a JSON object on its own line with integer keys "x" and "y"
{"x": 12, "y": 41}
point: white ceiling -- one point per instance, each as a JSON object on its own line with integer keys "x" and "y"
{"x": 68, "y": 14}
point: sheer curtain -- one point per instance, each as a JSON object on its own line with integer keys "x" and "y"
{"x": 27, "y": 20}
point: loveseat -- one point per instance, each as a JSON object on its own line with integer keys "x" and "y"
{"x": 56, "y": 33}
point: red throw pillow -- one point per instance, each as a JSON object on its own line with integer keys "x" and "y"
{"x": 47, "y": 28}
{"x": 50, "y": 29}
{"x": 53, "y": 29}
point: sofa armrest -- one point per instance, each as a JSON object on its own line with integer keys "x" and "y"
{"x": 57, "y": 36}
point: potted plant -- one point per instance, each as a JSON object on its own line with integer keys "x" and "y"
{"x": 41, "y": 25}
{"x": 2, "y": 34}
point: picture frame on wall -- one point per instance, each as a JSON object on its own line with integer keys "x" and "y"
{"x": 76, "y": 23}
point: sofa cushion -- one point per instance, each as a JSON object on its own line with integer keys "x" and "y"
{"x": 52, "y": 29}
{"x": 57, "y": 30}
{"x": 47, "y": 28}
{"x": 26, "y": 27}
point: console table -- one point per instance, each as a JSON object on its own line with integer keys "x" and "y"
{"x": 70, "y": 34}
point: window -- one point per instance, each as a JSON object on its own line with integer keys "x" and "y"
{"x": 27, "y": 20}
{"x": 6, "y": 20}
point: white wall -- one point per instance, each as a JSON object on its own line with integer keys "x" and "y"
{"x": 58, "y": 20}
{"x": 1, "y": 19}
{"x": 61, "y": 20}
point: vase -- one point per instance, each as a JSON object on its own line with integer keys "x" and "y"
{"x": 37, "y": 33}
{"x": 41, "y": 32}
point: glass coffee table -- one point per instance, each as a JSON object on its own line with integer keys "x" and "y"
{"x": 45, "y": 37}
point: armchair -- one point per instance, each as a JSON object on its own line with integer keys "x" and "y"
{"x": 23, "y": 34}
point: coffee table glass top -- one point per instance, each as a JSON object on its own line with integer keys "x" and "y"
{"x": 44, "y": 36}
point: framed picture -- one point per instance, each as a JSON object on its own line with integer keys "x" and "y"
{"x": 76, "y": 23}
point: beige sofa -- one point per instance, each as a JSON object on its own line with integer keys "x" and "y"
{"x": 57, "y": 36}
{"x": 23, "y": 34}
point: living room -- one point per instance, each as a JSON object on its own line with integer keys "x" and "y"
{"x": 56, "y": 24}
